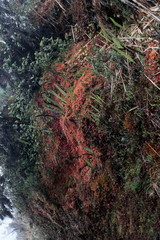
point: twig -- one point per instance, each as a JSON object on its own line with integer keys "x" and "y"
{"x": 41, "y": 16}
{"x": 60, "y": 5}
{"x": 141, "y": 7}
{"x": 133, "y": 109}
{"x": 152, "y": 82}
{"x": 153, "y": 149}
{"x": 112, "y": 86}
{"x": 156, "y": 188}
{"x": 73, "y": 34}
{"x": 155, "y": 124}
{"x": 148, "y": 23}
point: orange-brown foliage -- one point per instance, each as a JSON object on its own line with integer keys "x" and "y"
{"x": 152, "y": 61}
{"x": 63, "y": 152}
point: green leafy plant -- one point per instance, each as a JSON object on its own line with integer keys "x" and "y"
{"x": 52, "y": 104}
{"x": 110, "y": 37}
{"x": 117, "y": 46}
{"x": 88, "y": 150}
{"x": 89, "y": 163}
{"x": 96, "y": 112}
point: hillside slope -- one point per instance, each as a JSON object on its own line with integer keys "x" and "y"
{"x": 86, "y": 118}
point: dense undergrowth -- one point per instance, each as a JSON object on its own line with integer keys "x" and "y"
{"x": 81, "y": 127}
